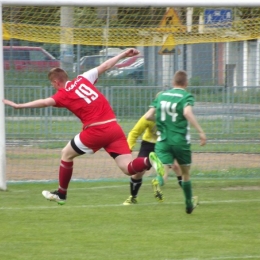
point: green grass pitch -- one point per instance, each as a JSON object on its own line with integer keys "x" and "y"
{"x": 94, "y": 224}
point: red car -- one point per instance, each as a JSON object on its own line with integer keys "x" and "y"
{"x": 26, "y": 58}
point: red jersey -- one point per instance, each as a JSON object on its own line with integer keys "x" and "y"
{"x": 84, "y": 100}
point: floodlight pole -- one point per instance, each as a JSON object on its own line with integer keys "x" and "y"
{"x": 2, "y": 114}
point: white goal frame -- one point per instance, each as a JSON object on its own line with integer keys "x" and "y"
{"x": 108, "y": 3}
{"x": 134, "y": 3}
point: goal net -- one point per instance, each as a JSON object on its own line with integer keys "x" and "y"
{"x": 218, "y": 47}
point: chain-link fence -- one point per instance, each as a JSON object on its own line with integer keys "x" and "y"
{"x": 230, "y": 117}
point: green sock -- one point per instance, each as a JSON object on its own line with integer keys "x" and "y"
{"x": 187, "y": 190}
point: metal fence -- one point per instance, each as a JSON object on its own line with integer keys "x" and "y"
{"x": 130, "y": 102}
{"x": 226, "y": 105}
{"x": 229, "y": 116}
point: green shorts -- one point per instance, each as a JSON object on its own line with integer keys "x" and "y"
{"x": 169, "y": 153}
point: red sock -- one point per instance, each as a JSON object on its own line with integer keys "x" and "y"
{"x": 139, "y": 164}
{"x": 65, "y": 174}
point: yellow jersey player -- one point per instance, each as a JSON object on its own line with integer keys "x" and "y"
{"x": 149, "y": 136}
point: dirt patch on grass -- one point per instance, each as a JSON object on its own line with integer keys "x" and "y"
{"x": 30, "y": 163}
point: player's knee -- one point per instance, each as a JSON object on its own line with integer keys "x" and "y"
{"x": 174, "y": 167}
{"x": 66, "y": 154}
{"x": 125, "y": 170}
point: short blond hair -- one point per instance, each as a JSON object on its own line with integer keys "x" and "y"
{"x": 58, "y": 74}
{"x": 180, "y": 78}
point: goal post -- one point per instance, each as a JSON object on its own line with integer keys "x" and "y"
{"x": 2, "y": 116}
{"x": 134, "y": 3}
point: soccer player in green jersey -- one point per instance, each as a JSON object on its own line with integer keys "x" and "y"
{"x": 172, "y": 112}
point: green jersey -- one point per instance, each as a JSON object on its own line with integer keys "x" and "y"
{"x": 172, "y": 126}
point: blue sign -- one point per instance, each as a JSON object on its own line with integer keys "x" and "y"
{"x": 218, "y": 17}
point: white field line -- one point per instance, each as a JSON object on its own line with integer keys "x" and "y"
{"x": 67, "y": 206}
{"x": 101, "y": 187}
{"x": 87, "y": 188}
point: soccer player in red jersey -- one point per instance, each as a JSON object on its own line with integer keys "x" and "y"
{"x": 100, "y": 128}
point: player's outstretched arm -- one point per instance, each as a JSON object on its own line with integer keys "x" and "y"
{"x": 138, "y": 129}
{"x": 188, "y": 113}
{"x": 149, "y": 115}
{"x": 108, "y": 64}
{"x": 47, "y": 102}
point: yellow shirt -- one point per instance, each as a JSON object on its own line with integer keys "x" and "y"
{"x": 145, "y": 127}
